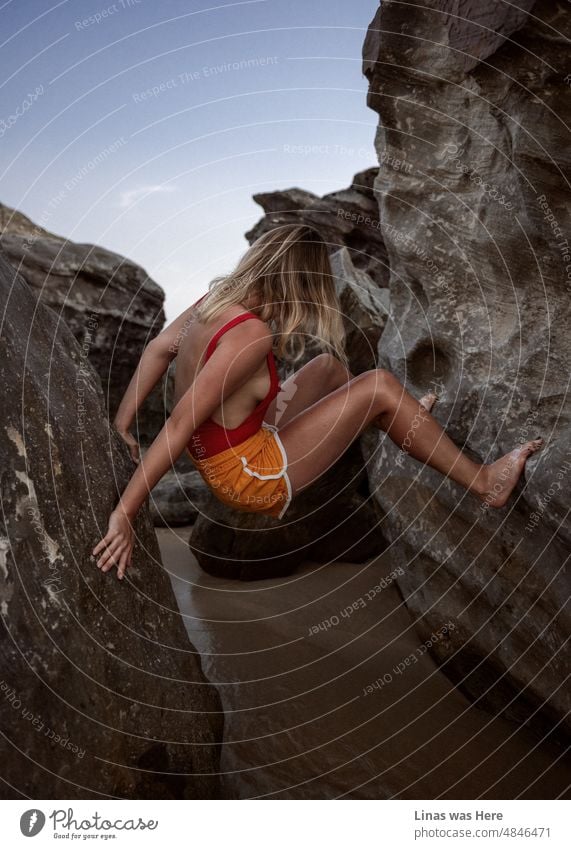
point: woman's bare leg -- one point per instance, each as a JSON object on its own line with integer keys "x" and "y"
{"x": 316, "y": 438}
{"x": 313, "y": 381}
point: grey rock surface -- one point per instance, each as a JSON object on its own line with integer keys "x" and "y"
{"x": 365, "y": 309}
{"x": 339, "y": 217}
{"x": 101, "y": 693}
{"x": 111, "y": 305}
{"x": 473, "y": 99}
{"x": 178, "y": 498}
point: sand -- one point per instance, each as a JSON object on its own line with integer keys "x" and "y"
{"x": 337, "y": 711}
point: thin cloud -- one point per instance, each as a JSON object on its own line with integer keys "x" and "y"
{"x": 132, "y": 196}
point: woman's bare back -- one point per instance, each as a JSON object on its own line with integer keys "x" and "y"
{"x": 190, "y": 359}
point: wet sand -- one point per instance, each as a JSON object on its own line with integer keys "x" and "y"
{"x": 304, "y": 717}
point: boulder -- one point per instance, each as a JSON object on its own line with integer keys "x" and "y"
{"x": 111, "y": 305}
{"x": 101, "y": 693}
{"x": 348, "y": 217}
{"x": 365, "y": 309}
{"x": 326, "y": 522}
{"x": 179, "y": 498}
{"x": 474, "y": 222}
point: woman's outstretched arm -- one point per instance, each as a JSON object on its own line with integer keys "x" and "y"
{"x": 237, "y": 356}
{"x": 154, "y": 362}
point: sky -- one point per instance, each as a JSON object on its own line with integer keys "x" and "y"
{"x": 146, "y": 127}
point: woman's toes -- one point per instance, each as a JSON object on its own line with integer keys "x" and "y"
{"x": 428, "y": 401}
{"x": 533, "y": 446}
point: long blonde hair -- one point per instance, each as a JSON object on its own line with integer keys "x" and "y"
{"x": 285, "y": 278}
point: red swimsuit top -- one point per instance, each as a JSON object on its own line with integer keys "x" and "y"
{"x": 210, "y": 438}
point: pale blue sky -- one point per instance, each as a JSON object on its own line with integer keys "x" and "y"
{"x": 166, "y": 177}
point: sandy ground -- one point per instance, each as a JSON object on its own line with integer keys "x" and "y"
{"x": 300, "y": 718}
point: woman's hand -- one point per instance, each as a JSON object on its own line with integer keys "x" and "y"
{"x": 116, "y": 545}
{"x": 131, "y": 443}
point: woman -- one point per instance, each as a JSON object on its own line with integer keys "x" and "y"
{"x": 256, "y": 442}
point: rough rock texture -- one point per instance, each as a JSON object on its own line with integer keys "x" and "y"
{"x": 110, "y": 304}
{"x": 474, "y": 100}
{"x": 101, "y": 693}
{"x": 114, "y": 309}
{"x": 338, "y": 216}
{"x": 179, "y": 498}
{"x": 365, "y": 309}
{"x": 324, "y": 523}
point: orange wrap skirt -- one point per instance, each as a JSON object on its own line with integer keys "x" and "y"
{"x": 251, "y": 476}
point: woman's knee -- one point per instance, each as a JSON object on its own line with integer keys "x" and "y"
{"x": 331, "y": 370}
{"x": 379, "y": 382}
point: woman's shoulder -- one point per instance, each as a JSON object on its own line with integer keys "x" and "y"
{"x": 241, "y": 316}
{"x": 243, "y": 325}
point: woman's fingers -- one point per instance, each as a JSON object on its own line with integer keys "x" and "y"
{"x": 102, "y": 543}
{"x": 112, "y": 561}
{"x": 116, "y": 547}
{"x": 123, "y": 563}
{"x": 131, "y": 444}
{"x": 110, "y": 551}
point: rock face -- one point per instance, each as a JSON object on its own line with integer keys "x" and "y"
{"x": 113, "y": 309}
{"x": 474, "y": 220}
{"x": 365, "y": 309}
{"x": 101, "y": 693}
{"x": 110, "y": 304}
{"x": 339, "y": 217}
{"x": 179, "y": 498}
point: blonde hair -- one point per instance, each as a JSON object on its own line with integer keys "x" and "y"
{"x": 286, "y": 279}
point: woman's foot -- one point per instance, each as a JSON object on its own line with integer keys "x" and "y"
{"x": 500, "y": 478}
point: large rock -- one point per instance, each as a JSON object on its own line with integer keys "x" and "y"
{"x": 111, "y": 305}
{"x": 333, "y": 519}
{"x": 480, "y": 278}
{"x": 179, "y": 498}
{"x": 345, "y": 218}
{"x": 114, "y": 309}
{"x": 365, "y": 309}
{"x": 101, "y": 693}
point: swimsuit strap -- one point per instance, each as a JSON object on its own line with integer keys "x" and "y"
{"x": 243, "y": 316}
